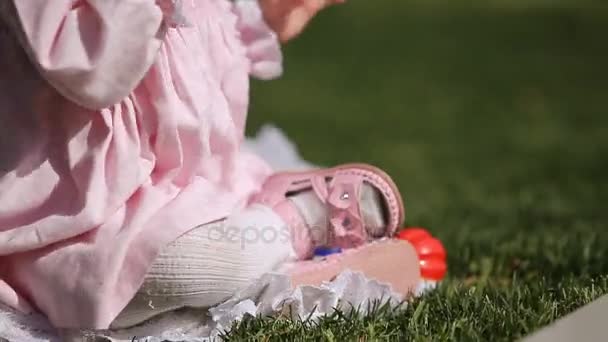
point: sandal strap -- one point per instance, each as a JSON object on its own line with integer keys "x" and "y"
{"x": 341, "y": 196}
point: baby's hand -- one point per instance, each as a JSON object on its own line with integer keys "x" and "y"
{"x": 289, "y": 17}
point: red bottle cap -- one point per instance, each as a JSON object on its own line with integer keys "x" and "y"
{"x": 433, "y": 269}
{"x": 430, "y": 251}
{"x": 413, "y": 234}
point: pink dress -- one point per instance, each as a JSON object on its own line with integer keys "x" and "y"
{"x": 146, "y": 148}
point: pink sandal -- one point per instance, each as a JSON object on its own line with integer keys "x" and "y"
{"x": 339, "y": 189}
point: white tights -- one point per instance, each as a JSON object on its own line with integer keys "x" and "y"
{"x": 210, "y": 263}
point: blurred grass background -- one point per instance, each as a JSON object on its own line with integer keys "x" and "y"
{"x": 492, "y": 118}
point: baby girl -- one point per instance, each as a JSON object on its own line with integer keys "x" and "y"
{"x": 124, "y": 190}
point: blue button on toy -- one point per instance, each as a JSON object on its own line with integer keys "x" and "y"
{"x": 325, "y": 251}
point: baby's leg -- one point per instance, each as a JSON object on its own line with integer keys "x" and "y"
{"x": 210, "y": 263}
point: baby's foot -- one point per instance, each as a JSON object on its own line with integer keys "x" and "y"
{"x": 315, "y": 213}
{"x": 346, "y": 206}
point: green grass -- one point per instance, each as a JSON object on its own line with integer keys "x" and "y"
{"x": 493, "y": 119}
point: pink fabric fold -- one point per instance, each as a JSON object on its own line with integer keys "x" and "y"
{"x": 262, "y": 44}
{"x": 93, "y": 52}
{"x": 173, "y": 13}
{"x": 117, "y": 137}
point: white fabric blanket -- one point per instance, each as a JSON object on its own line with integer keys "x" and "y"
{"x": 269, "y": 295}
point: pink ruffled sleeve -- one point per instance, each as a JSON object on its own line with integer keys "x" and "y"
{"x": 263, "y": 47}
{"x": 94, "y": 52}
